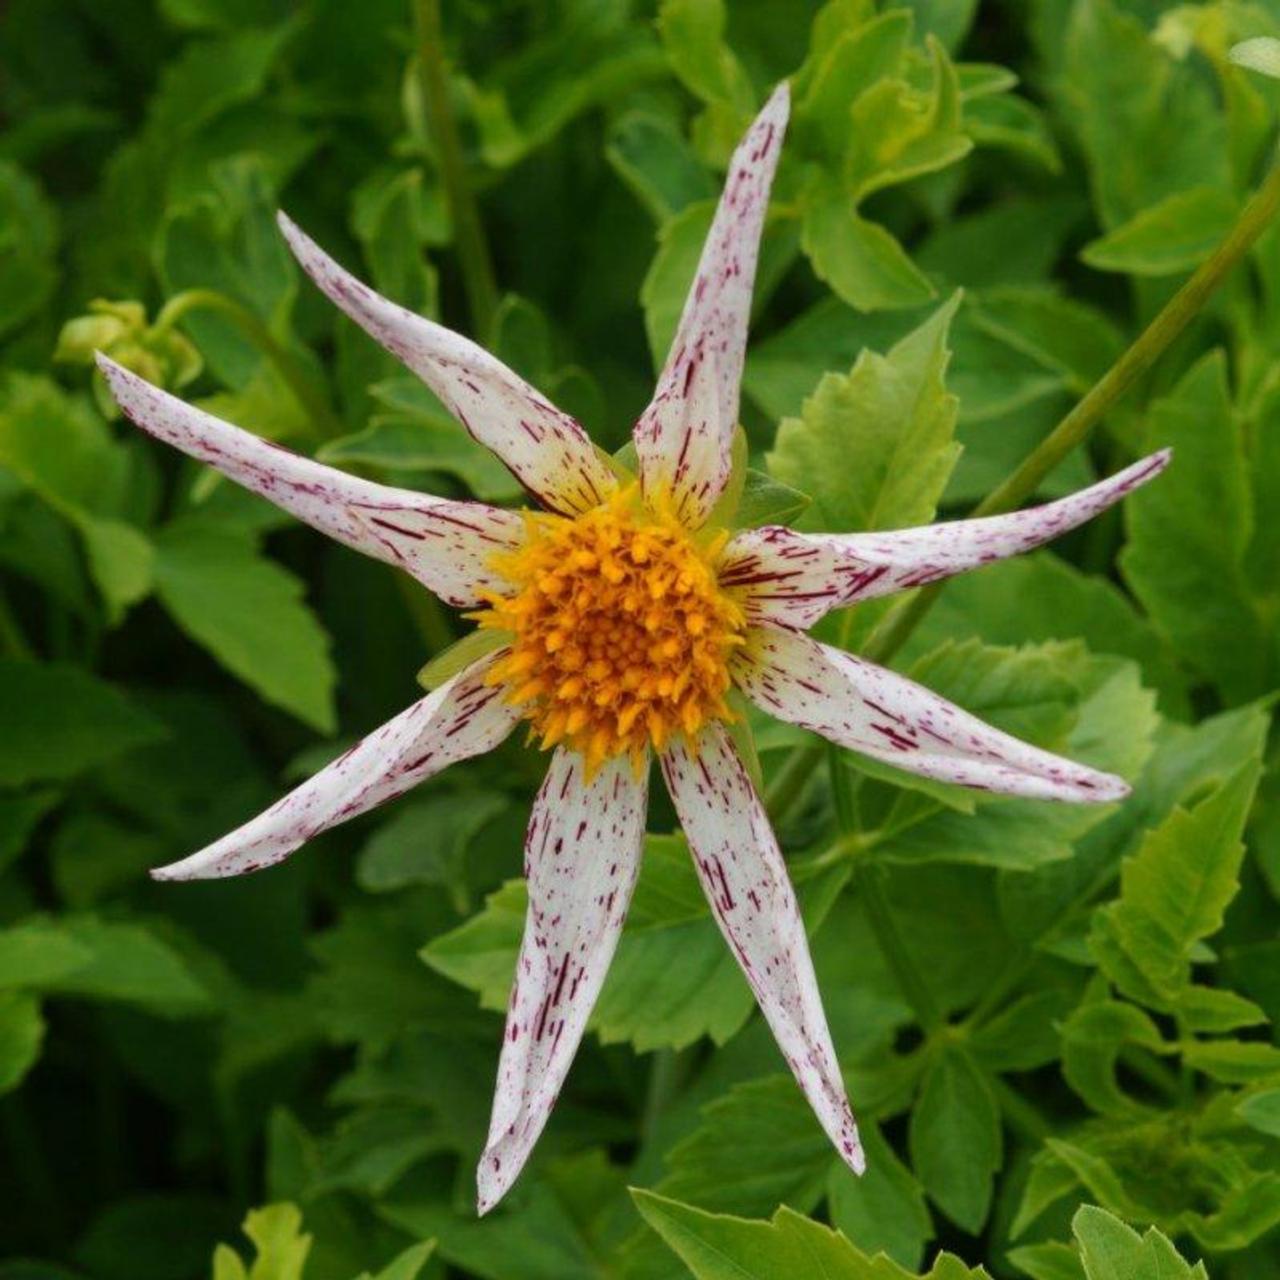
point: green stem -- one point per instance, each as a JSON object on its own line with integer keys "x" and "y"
{"x": 1074, "y": 429}
{"x": 325, "y": 421}
{"x": 664, "y": 1080}
{"x": 468, "y": 232}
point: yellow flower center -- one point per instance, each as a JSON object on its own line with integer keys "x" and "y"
{"x": 622, "y": 635}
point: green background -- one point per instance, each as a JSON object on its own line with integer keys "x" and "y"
{"x": 979, "y": 205}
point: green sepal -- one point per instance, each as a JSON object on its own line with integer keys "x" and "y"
{"x": 471, "y": 648}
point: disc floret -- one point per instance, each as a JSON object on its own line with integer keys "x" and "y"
{"x": 621, "y": 634}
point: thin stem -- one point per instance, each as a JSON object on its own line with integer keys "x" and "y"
{"x": 468, "y": 232}
{"x": 325, "y": 421}
{"x": 791, "y": 780}
{"x": 664, "y": 1081}
{"x": 1074, "y": 429}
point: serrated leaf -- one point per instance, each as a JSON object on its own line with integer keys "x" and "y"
{"x": 719, "y": 1247}
{"x": 1189, "y": 534}
{"x": 874, "y": 447}
{"x": 1175, "y": 889}
{"x": 250, "y": 614}
{"x": 1110, "y": 1250}
{"x": 955, "y": 1137}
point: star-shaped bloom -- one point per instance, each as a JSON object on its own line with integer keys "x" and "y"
{"x": 620, "y": 620}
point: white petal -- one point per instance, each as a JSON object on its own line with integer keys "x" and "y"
{"x": 445, "y": 545}
{"x": 548, "y": 452}
{"x": 582, "y": 854}
{"x": 684, "y": 438}
{"x": 882, "y": 714}
{"x": 746, "y": 882}
{"x": 462, "y": 718}
{"x": 795, "y": 578}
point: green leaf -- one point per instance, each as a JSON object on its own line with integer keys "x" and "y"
{"x": 416, "y": 434}
{"x": 1092, "y": 1039}
{"x": 653, "y": 159}
{"x": 1168, "y": 238}
{"x": 1189, "y": 534}
{"x": 63, "y": 451}
{"x": 1261, "y": 1111}
{"x": 955, "y": 1137}
{"x": 21, "y": 1035}
{"x": 1110, "y": 1250}
{"x": 20, "y": 813}
{"x": 130, "y": 962}
{"x": 249, "y": 613}
{"x": 28, "y": 241}
{"x": 1050, "y": 1261}
{"x": 861, "y": 261}
{"x": 667, "y": 281}
{"x": 693, "y": 35}
{"x": 862, "y": 56}
{"x": 874, "y": 447}
{"x": 718, "y": 1247}
{"x": 280, "y": 1245}
{"x": 407, "y": 1265}
{"x": 59, "y": 721}
{"x": 899, "y": 132}
{"x": 883, "y": 1211}
{"x": 767, "y": 501}
{"x": 36, "y": 953}
{"x": 428, "y": 842}
{"x": 1174, "y": 891}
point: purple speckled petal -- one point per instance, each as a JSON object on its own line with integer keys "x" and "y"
{"x": 445, "y": 545}
{"x": 795, "y": 578}
{"x": 871, "y": 709}
{"x": 462, "y": 718}
{"x": 547, "y": 451}
{"x": 684, "y": 438}
{"x": 581, "y": 857}
{"x": 745, "y": 880}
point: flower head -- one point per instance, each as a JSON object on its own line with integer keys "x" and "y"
{"x": 621, "y": 617}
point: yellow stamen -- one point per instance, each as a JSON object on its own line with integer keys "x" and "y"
{"x": 622, "y": 634}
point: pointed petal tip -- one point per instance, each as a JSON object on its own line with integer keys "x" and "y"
{"x": 780, "y": 98}
{"x": 1106, "y": 788}
{"x": 491, "y": 1184}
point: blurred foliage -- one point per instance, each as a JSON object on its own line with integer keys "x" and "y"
{"x": 978, "y": 205}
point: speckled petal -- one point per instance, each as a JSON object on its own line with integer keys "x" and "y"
{"x": 445, "y": 545}
{"x": 882, "y": 714}
{"x": 547, "y": 451}
{"x": 581, "y": 857}
{"x": 746, "y": 882}
{"x": 462, "y": 718}
{"x": 684, "y": 438}
{"x": 795, "y": 578}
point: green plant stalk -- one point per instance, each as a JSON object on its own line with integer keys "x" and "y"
{"x": 1082, "y": 420}
{"x": 326, "y": 423}
{"x": 896, "y": 627}
{"x": 468, "y": 232}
